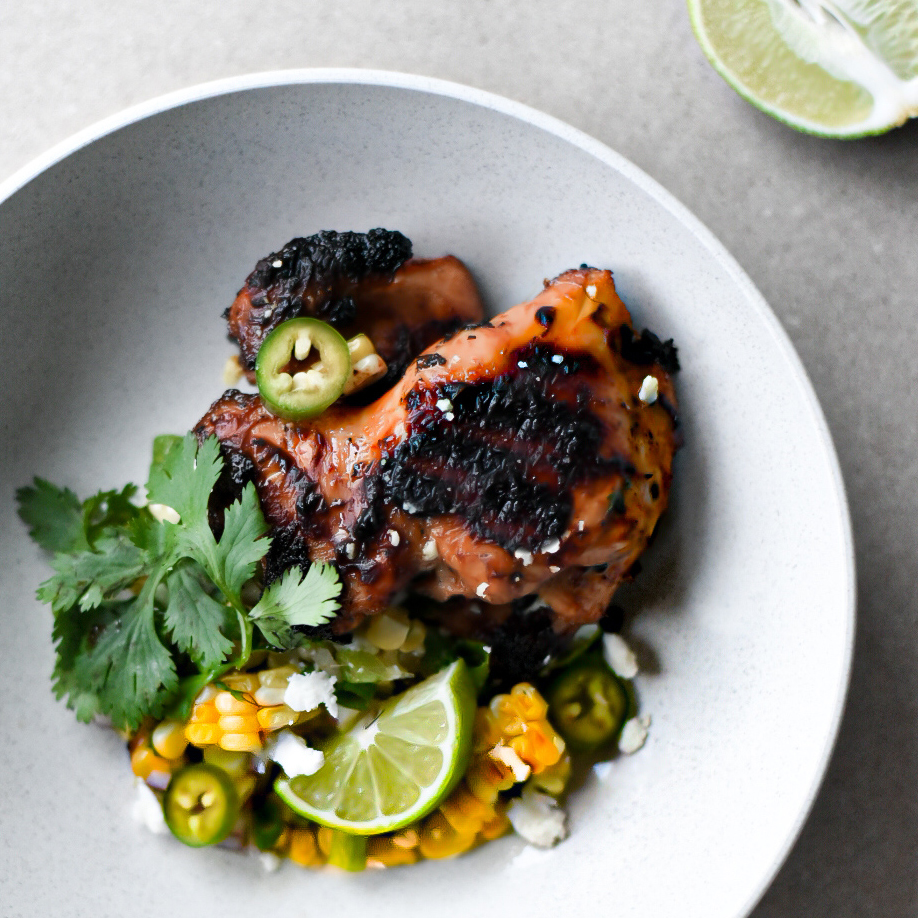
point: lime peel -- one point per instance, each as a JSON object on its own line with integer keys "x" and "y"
{"x": 393, "y": 767}
{"x": 846, "y": 68}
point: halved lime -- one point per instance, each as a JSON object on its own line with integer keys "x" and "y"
{"x": 839, "y": 68}
{"x": 395, "y": 765}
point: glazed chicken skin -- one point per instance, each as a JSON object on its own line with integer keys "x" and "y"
{"x": 357, "y": 282}
{"x": 513, "y": 459}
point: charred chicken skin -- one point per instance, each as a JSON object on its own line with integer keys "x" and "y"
{"x": 357, "y": 282}
{"x": 519, "y": 458}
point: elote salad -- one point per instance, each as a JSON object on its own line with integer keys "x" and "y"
{"x": 362, "y": 618}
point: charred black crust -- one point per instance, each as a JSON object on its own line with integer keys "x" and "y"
{"x": 647, "y": 349}
{"x": 506, "y": 458}
{"x": 325, "y": 259}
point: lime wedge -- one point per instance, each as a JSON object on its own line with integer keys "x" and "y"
{"x": 395, "y": 765}
{"x": 839, "y": 68}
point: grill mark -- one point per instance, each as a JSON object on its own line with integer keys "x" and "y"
{"x": 509, "y": 480}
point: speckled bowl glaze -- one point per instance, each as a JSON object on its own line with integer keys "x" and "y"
{"x": 119, "y": 251}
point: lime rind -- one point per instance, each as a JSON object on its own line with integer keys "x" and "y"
{"x": 838, "y": 69}
{"x": 388, "y": 772}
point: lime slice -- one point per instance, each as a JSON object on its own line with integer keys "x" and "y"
{"x": 839, "y": 68}
{"x": 393, "y": 766}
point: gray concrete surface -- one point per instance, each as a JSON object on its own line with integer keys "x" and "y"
{"x": 827, "y": 230}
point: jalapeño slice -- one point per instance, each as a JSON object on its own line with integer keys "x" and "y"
{"x": 587, "y": 704}
{"x": 301, "y": 368}
{"x": 201, "y": 805}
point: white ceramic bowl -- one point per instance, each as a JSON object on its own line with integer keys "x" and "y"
{"x": 118, "y": 252}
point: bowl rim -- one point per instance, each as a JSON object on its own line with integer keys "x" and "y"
{"x": 564, "y": 131}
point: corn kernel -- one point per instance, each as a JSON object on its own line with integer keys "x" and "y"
{"x": 553, "y": 778}
{"x": 277, "y": 717}
{"x": 235, "y": 764}
{"x": 439, "y": 839}
{"x": 269, "y": 696}
{"x": 208, "y": 693}
{"x": 407, "y": 838}
{"x": 303, "y": 849}
{"x": 240, "y": 742}
{"x": 202, "y": 734}
{"x": 382, "y": 852}
{"x": 242, "y": 682}
{"x": 226, "y": 703}
{"x": 415, "y": 638}
{"x": 324, "y": 837}
{"x": 498, "y": 826}
{"x": 465, "y": 812}
{"x": 205, "y": 713}
{"x": 276, "y": 677}
{"x": 169, "y": 739}
{"x": 388, "y": 631}
{"x": 144, "y": 761}
{"x": 239, "y": 723}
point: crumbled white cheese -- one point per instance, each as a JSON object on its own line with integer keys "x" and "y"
{"x": 537, "y": 818}
{"x": 306, "y": 691}
{"x": 551, "y": 547}
{"x": 554, "y": 568}
{"x": 277, "y": 263}
{"x": 294, "y": 756}
{"x": 591, "y": 291}
{"x": 350, "y": 550}
{"x": 524, "y": 556}
{"x": 400, "y": 430}
{"x": 580, "y": 525}
{"x": 268, "y": 313}
{"x": 522, "y": 364}
{"x": 409, "y": 507}
{"x": 482, "y": 589}
{"x": 444, "y": 405}
{"x": 449, "y": 416}
{"x": 634, "y": 734}
{"x": 509, "y": 757}
{"x": 650, "y": 389}
{"x": 429, "y": 550}
{"x": 164, "y": 513}
{"x": 148, "y": 810}
{"x": 394, "y": 537}
{"x": 557, "y": 358}
{"x": 619, "y": 656}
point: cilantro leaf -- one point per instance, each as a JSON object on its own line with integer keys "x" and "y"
{"x": 241, "y": 545}
{"x": 297, "y": 599}
{"x": 58, "y": 522}
{"x": 54, "y": 515}
{"x": 186, "y": 477}
{"x": 198, "y": 622}
{"x": 86, "y": 578}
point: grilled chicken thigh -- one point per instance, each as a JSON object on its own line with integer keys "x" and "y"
{"x": 527, "y": 456}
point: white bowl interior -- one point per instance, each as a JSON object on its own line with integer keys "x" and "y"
{"x": 115, "y": 265}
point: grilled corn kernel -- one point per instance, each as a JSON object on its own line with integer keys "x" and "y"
{"x": 269, "y": 696}
{"x": 239, "y": 723}
{"x": 388, "y": 631}
{"x": 383, "y": 852}
{"x": 204, "y": 713}
{"x": 324, "y": 837}
{"x": 553, "y": 778}
{"x": 169, "y": 740}
{"x": 439, "y": 839}
{"x": 242, "y": 682}
{"x": 240, "y": 742}
{"x": 415, "y": 638}
{"x": 465, "y": 812}
{"x": 303, "y": 849}
{"x": 227, "y": 703}
{"x": 277, "y": 677}
{"x": 498, "y": 826}
{"x": 277, "y": 717}
{"x": 144, "y": 762}
{"x": 202, "y": 734}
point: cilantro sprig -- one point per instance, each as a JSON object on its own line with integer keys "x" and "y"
{"x": 146, "y": 610}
